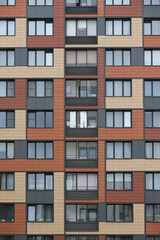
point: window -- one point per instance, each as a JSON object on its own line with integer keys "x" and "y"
{"x": 151, "y": 2}
{"x": 7, "y": 2}
{"x": 83, "y": 237}
{"x": 6, "y": 237}
{"x": 118, "y": 58}
{"x": 6, "y": 58}
{"x": 40, "y": 150}
{"x": 118, "y": 88}
{"x": 81, "y": 3}
{"x": 152, "y": 119}
{"x": 81, "y": 88}
{"x": 7, "y": 27}
{"x": 81, "y": 28}
{"x": 118, "y": 119}
{"x": 152, "y": 57}
{"x": 152, "y": 237}
{"x": 6, "y": 212}
{"x": 118, "y": 2}
{"x": 40, "y": 119}
{"x": 6, "y": 181}
{"x": 40, "y": 237}
{"x": 118, "y": 150}
{"x": 152, "y": 88}
{"x": 81, "y": 213}
{"x": 119, "y": 181}
{"x": 118, "y": 27}
{"x": 40, "y": 57}
{"x": 81, "y": 58}
{"x": 40, "y": 88}
{"x": 40, "y": 27}
{"x": 7, "y": 119}
{"x": 40, "y": 181}
{"x": 6, "y": 150}
{"x": 119, "y": 213}
{"x": 152, "y": 27}
{"x": 40, "y": 213}
{"x": 81, "y": 119}
{"x": 81, "y": 150}
{"x": 152, "y": 149}
{"x": 7, "y": 88}
{"x": 81, "y": 181}
{"x": 40, "y": 2}
{"x": 152, "y": 181}
{"x": 120, "y": 238}
{"x": 153, "y": 213}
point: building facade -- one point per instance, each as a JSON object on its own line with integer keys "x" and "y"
{"x": 79, "y": 119}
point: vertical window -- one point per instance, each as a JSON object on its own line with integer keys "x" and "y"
{"x": 118, "y": 58}
{"x": 152, "y": 181}
{"x": 40, "y": 213}
{"x": 118, "y": 119}
{"x": 6, "y": 181}
{"x": 118, "y": 2}
{"x": 119, "y": 213}
{"x": 6, "y": 212}
{"x": 40, "y": 58}
{"x": 7, "y": 88}
{"x": 40, "y": 181}
{"x": 153, "y": 213}
{"x": 152, "y": 57}
{"x": 152, "y": 149}
{"x": 40, "y": 119}
{"x": 119, "y": 181}
{"x": 118, "y": 27}
{"x": 40, "y": 27}
{"x": 40, "y": 88}
{"x": 7, "y": 119}
{"x": 118, "y": 150}
{"x": 152, "y": 88}
{"x": 6, "y": 58}
{"x": 40, "y": 150}
{"x": 81, "y": 58}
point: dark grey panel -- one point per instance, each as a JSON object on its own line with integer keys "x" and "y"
{"x": 21, "y": 57}
{"x": 152, "y": 196}
{"x": 81, "y": 195}
{"x": 81, "y": 70}
{"x": 137, "y": 56}
{"x": 138, "y": 149}
{"x": 151, "y": 11}
{"x": 81, "y": 163}
{"x": 101, "y": 26}
{"x": 81, "y": 132}
{"x": 81, "y": 10}
{"x": 19, "y": 237}
{"x": 101, "y": 118}
{"x": 101, "y": 212}
{"x": 40, "y": 103}
{"x": 81, "y": 101}
{"x": 81, "y": 40}
{"x": 139, "y": 237}
{"x": 20, "y": 149}
{"x": 40, "y": 12}
{"x": 152, "y": 103}
{"x": 40, "y": 197}
{"x": 81, "y": 226}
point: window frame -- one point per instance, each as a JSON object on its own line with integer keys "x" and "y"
{"x": 151, "y": 4}
{"x": 48, "y": 20}
{"x": 153, "y": 182}
{"x": 6, "y": 204}
{"x": 35, "y": 120}
{"x": 123, "y": 118}
{"x": 151, "y": 81}
{"x": 45, "y": 175}
{"x": 117, "y": 80}
{"x": 153, "y": 205}
{"x": 122, "y": 20}
{"x": 7, "y": 118}
{"x": 40, "y": 5}
{"x": 7, "y": 58}
{"x": 152, "y": 113}
{"x": 7, "y": 21}
{"x": 40, "y": 80}
{"x": 45, "y": 237}
{"x": 35, "y": 142}
{"x": 114, "y": 211}
{"x": 81, "y": 50}
{"x": 116, "y": 237}
{"x": 113, "y": 50}
{"x": 6, "y": 181}
{"x": 88, "y": 237}
{"x": 49, "y": 50}
{"x": 35, "y": 205}
{"x": 151, "y": 50}
{"x": 123, "y": 181}
{"x": 6, "y": 237}
{"x": 119, "y": 4}
{"x": 6, "y": 146}
{"x": 8, "y": 4}
{"x": 8, "y": 81}
{"x": 123, "y": 142}
{"x": 152, "y": 142}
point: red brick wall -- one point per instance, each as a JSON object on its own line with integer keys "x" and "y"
{"x": 151, "y": 41}
{"x": 152, "y": 133}
{"x": 152, "y": 228}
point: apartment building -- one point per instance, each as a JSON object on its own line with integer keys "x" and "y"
{"x": 79, "y": 119}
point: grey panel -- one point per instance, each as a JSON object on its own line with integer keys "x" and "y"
{"x": 81, "y": 226}
{"x": 151, "y": 11}
{"x": 101, "y": 212}
{"x": 152, "y": 103}
{"x": 20, "y": 149}
{"x": 137, "y": 56}
{"x": 81, "y": 195}
{"x": 40, "y": 12}
{"x": 138, "y": 149}
{"x": 81, "y": 164}
{"x": 81, "y": 132}
{"x": 81, "y": 101}
{"x": 40, "y": 103}
{"x": 152, "y": 196}
{"x": 81, "y": 10}
{"x": 139, "y": 237}
{"x": 19, "y": 237}
{"x": 101, "y": 26}
{"x": 40, "y": 197}
{"x": 81, "y": 40}
{"x": 101, "y": 118}
{"x": 21, "y": 57}
{"x": 81, "y": 70}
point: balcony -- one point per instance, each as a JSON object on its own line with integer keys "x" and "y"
{"x": 81, "y": 6}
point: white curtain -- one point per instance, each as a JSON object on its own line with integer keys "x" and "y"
{"x": 40, "y": 213}
{"x": 92, "y": 181}
{"x": 72, "y": 119}
{"x": 127, "y": 119}
{"x": 83, "y": 119}
{"x": 92, "y": 28}
{"x": 71, "y": 28}
{"x": 81, "y": 181}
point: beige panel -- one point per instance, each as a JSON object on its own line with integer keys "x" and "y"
{"x": 133, "y": 165}
{"x": 56, "y": 71}
{"x": 19, "y": 193}
{"x": 135, "y": 227}
{"x": 19, "y": 40}
{"x": 57, "y": 227}
{"x": 17, "y": 133}
{"x": 135, "y": 40}
{"x": 136, "y": 101}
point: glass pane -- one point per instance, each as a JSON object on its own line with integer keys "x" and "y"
{"x": 81, "y": 181}
{"x": 31, "y": 181}
{"x": 40, "y": 58}
{"x": 118, "y": 150}
{"x": 3, "y": 27}
{"x": 10, "y": 181}
{"x": 31, "y": 213}
{"x": 32, "y": 27}
{"x": 147, "y": 28}
{"x": 71, "y": 150}
{"x": 155, "y": 2}
{"x": 2, "y": 89}
{"x": 127, "y": 150}
{"x": 118, "y": 58}
{"x": 2, "y": 150}
{"x": 110, "y": 213}
{"x": 92, "y": 181}
{"x": 109, "y": 58}
{"x": 127, "y": 89}
{"x": 10, "y": 58}
{"x": 40, "y": 213}
{"x": 81, "y": 28}
{"x": 49, "y": 150}
{"x": 156, "y": 119}
{"x": 148, "y": 89}
{"x": 109, "y": 88}
{"x": 2, "y": 119}
{"x": 81, "y": 213}
{"x": 156, "y": 181}
{"x": 127, "y": 119}
{"x": 118, "y": 181}
{"x": 49, "y": 213}
{"x": 49, "y": 29}
{"x": 32, "y": 2}
{"x": 32, "y": 60}
{"x": 49, "y": 182}
{"x": 40, "y": 119}
{"x": 155, "y": 27}
{"x": 92, "y": 28}
{"x": 148, "y": 147}
{"x": 149, "y": 181}
{"x": 10, "y": 90}
{"x": 40, "y": 150}
{"x": 156, "y": 88}
{"x": 39, "y": 181}
{"x": 128, "y": 213}
{"x": 117, "y": 88}
{"x": 81, "y": 58}
{"x": 92, "y": 151}
{"x": 127, "y": 181}
{"x": 11, "y": 28}
{"x": 92, "y": 58}
{"x": 117, "y": 27}
{"x": 156, "y": 57}
{"x": 3, "y": 58}
{"x": 49, "y": 119}
{"x": 147, "y": 58}
{"x": 31, "y": 150}
{"x": 147, "y": 2}
{"x": 40, "y": 2}
{"x": 118, "y": 119}
{"x": 126, "y": 2}
{"x": 126, "y": 58}
{"x": 108, "y": 2}
{"x": 71, "y": 58}
{"x": 40, "y": 89}
{"x": 157, "y": 213}
{"x": 109, "y": 150}
{"x": 10, "y": 150}
{"x": 49, "y": 2}
{"x": 31, "y": 119}
{"x": 119, "y": 213}
{"x": 49, "y": 89}
{"x": 110, "y": 181}
{"x": 2, "y": 181}
{"x": 49, "y": 59}
{"x": 32, "y": 89}
{"x": 156, "y": 150}
{"x": 109, "y": 27}
{"x": 109, "y": 119}
{"x": 11, "y": 2}
{"x": 126, "y": 27}
{"x": 117, "y": 2}
{"x": 71, "y": 213}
